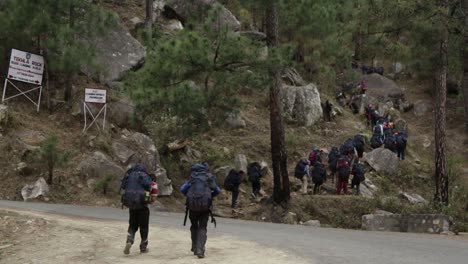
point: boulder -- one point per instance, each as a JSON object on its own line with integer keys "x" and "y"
{"x": 291, "y": 77}
{"x": 383, "y": 89}
{"x": 199, "y": 8}
{"x": 117, "y": 52}
{"x": 290, "y": 218}
{"x": 254, "y": 35}
{"x": 421, "y": 107}
{"x": 398, "y": 67}
{"x": 382, "y": 160}
{"x": 235, "y": 121}
{"x": 413, "y": 198}
{"x": 144, "y": 151}
{"x": 302, "y": 103}
{"x": 171, "y": 25}
{"x": 164, "y": 183}
{"x": 312, "y": 223}
{"x": 190, "y": 155}
{"x": 221, "y": 173}
{"x": 240, "y": 161}
{"x": 27, "y": 141}
{"x": 31, "y": 191}
{"x": 3, "y": 116}
{"x": 121, "y": 112}
{"x": 99, "y": 166}
{"x": 122, "y": 152}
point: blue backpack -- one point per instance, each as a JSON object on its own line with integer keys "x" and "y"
{"x": 199, "y": 197}
{"x": 137, "y": 186}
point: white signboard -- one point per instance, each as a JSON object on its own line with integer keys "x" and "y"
{"x": 95, "y": 96}
{"x": 26, "y": 67}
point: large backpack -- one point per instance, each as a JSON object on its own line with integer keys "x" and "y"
{"x": 318, "y": 173}
{"x": 347, "y": 147}
{"x": 401, "y": 140}
{"x": 390, "y": 142}
{"x": 254, "y": 171}
{"x": 378, "y": 130}
{"x": 299, "y": 171}
{"x": 358, "y": 171}
{"x": 343, "y": 168}
{"x": 199, "y": 197}
{"x": 359, "y": 142}
{"x": 233, "y": 179}
{"x": 376, "y": 141}
{"x": 136, "y": 185}
{"x": 314, "y": 157}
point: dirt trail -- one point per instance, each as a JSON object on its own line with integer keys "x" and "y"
{"x": 33, "y": 238}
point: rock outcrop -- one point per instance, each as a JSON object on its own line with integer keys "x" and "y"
{"x": 302, "y": 103}
{"x": 99, "y": 166}
{"x": 382, "y": 160}
{"x": 117, "y": 52}
{"x": 31, "y": 191}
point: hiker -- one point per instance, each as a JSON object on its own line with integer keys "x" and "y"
{"x": 358, "y": 177}
{"x": 332, "y": 160}
{"x": 327, "y": 111}
{"x": 363, "y": 87}
{"x": 319, "y": 176}
{"x": 378, "y": 131}
{"x": 199, "y": 190}
{"x": 302, "y": 172}
{"x": 140, "y": 189}
{"x": 354, "y": 104}
{"x": 314, "y": 155}
{"x": 359, "y": 143}
{"x": 401, "y": 139}
{"x": 390, "y": 143}
{"x": 255, "y": 173}
{"x": 343, "y": 170}
{"x": 348, "y": 148}
{"x": 376, "y": 141}
{"x": 374, "y": 116}
{"x": 231, "y": 184}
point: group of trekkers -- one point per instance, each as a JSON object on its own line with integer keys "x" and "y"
{"x": 140, "y": 190}
{"x": 342, "y": 163}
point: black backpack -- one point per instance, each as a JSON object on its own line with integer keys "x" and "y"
{"x": 347, "y": 147}
{"x": 232, "y": 180}
{"x": 376, "y": 141}
{"x": 137, "y": 187}
{"x": 318, "y": 173}
{"x": 299, "y": 171}
{"x": 254, "y": 172}
{"x": 401, "y": 140}
{"x": 390, "y": 142}
{"x": 359, "y": 142}
{"x": 358, "y": 171}
{"x": 199, "y": 197}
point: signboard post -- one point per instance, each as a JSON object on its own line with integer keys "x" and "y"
{"x": 95, "y": 96}
{"x": 28, "y": 68}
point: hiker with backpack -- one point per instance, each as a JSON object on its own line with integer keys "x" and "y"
{"x": 390, "y": 143}
{"x": 358, "y": 177}
{"x": 200, "y": 189}
{"x": 343, "y": 170}
{"x": 140, "y": 189}
{"x": 302, "y": 172}
{"x": 319, "y": 176}
{"x": 401, "y": 139}
{"x": 255, "y": 173}
{"x": 348, "y": 148}
{"x": 314, "y": 155}
{"x": 333, "y": 156}
{"x": 231, "y": 184}
{"x": 359, "y": 143}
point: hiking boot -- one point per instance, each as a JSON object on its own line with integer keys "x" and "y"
{"x": 200, "y": 256}
{"x": 127, "y": 248}
{"x": 144, "y": 250}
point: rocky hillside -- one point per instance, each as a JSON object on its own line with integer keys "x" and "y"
{"x": 99, "y": 158}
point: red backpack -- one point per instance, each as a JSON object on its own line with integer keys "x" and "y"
{"x": 343, "y": 168}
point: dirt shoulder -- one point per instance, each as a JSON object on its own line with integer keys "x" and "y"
{"x": 27, "y": 237}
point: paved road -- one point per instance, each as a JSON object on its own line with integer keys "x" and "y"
{"x": 319, "y": 245}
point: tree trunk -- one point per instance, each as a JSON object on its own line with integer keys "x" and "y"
{"x": 51, "y": 175}
{"x": 149, "y": 13}
{"x": 465, "y": 62}
{"x": 68, "y": 87}
{"x": 279, "y": 157}
{"x": 441, "y": 176}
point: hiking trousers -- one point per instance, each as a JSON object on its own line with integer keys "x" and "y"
{"x": 342, "y": 185}
{"x": 199, "y": 221}
{"x": 401, "y": 153}
{"x": 139, "y": 219}
{"x": 256, "y": 186}
{"x": 235, "y": 195}
{"x": 305, "y": 182}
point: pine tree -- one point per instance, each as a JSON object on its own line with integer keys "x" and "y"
{"x": 58, "y": 29}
